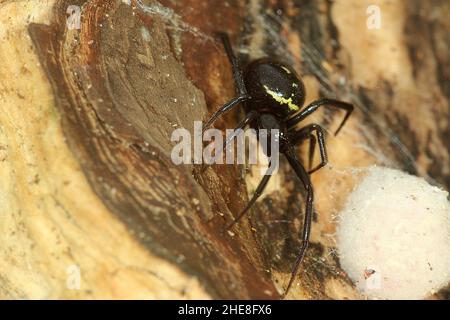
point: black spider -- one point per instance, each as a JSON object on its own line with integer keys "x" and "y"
{"x": 273, "y": 96}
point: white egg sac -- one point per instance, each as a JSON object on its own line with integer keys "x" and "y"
{"x": 394, "y": 236}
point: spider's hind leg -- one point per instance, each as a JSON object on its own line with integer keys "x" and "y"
{"x": 238, "y": 79}
{"x": 237, "y": 70}
{"x": 315, "y": 105}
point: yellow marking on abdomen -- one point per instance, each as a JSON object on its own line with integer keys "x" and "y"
{"x": 282, "y": 100}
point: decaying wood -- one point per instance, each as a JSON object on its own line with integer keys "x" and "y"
{"x": 87, "y": 117}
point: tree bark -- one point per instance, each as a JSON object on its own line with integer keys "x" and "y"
{"x": 89, "y": 185}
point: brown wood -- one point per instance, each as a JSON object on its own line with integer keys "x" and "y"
{"x": 110, "y": 96}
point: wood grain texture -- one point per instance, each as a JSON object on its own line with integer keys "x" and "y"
{"x": 85, "y": 141}
{"x": 124, "y": 140}
{"x": 51, "y": 221}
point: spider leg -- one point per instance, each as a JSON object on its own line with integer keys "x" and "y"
{"x": 244, "y": 122}
{"x": 248, "y": 118}
{"x": 226, "y": 107}
{"x": 312, "y": 149}
{"x": 304, "y": 177}
{"x": 238, "y": 79}
{"x": 305, "y": 133}
{"x": 237, "y": 70}
{"x": 299, "y": 136}
{"x": 312, "y": 107}
{"x": 259, "y": 190}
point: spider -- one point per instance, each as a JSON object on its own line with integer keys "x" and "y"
{"x": 273, "y": 96}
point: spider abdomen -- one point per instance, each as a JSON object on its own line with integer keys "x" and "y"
{"x": 273, "y": 87}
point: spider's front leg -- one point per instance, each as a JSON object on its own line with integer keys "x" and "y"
{"x": 252, "y": 115}
{"x": 309, "y": 210}
{"x": 226, "y": 107}
{"x": 259, "y": 190}
{"x": 305, "y": 133}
